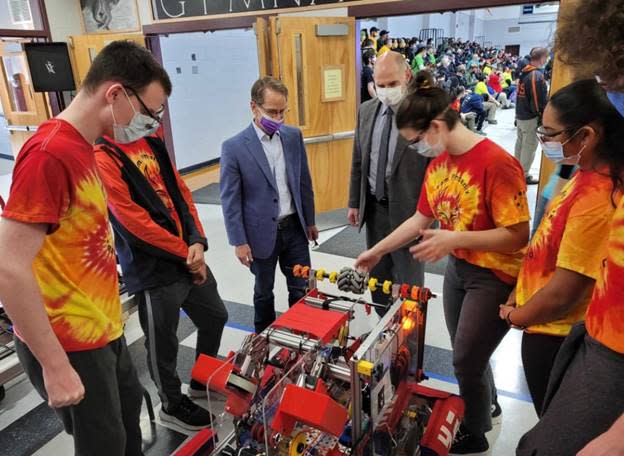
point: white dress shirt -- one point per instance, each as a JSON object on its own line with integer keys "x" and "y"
{"x": 277, "y": 162}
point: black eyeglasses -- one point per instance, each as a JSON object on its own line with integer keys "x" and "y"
{"x": 542, "y": 133}
{"x": 157, "y": 116}
{"x": 413, "y": 143}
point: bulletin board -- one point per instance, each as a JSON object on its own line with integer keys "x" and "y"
{"x": 212, "y": 74}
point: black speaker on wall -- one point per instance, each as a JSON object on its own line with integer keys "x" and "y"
{"x": 50, "y": 67}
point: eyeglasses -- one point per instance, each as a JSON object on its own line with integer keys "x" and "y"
{"x": 274, "y": 112}
{"x": 156, "y": 115}
{"x": 543, "y": 134}
{"x": 413, "y": 144}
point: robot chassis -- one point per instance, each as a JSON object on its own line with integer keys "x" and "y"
{"x": 306, "y": 387}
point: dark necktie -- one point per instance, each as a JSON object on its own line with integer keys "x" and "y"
{"x": 382, "y": 162}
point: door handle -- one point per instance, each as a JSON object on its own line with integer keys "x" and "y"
{"x": 328, "y": 138}
{"x": 22, "y": 127}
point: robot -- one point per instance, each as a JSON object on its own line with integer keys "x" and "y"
{"x": 306, "y": 386}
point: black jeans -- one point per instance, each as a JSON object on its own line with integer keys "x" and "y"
{"x": 471, "y": 297}
{"x": 538, "y": 356}
{"x": 159, "y": 314}
{"x": 398, "y": 266}
{"x": 106, "y": 421}
{"x": 291, "y": 248}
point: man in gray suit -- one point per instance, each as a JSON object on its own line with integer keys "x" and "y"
{"x": 385, "y": 175}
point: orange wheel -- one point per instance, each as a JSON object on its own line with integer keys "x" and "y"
{"x": 305, "y": 272}
{"x": 415, "y": 293}
{"x": 297, "y": 270}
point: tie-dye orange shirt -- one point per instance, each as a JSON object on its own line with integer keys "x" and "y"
{"x": 572, "y": 235}
{"x": 482, "y": 189}
{"x": 55, "y": 182}
{"x": 605, "y": 314}
{"x": 142, "y": 156}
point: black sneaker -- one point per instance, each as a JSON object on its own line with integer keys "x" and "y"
{"x": 187, "y": 415}
{"x": 497, "y": 413}
{"x": 469, "y": 444}
{"x": 197, "y": 391}
{"x": 493, "y": 122}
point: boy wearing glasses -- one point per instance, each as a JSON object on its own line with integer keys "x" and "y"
{"x": 160, "y": 243}
{"x": 58, "y": 280}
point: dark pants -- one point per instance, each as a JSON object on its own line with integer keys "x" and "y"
{"x": 481, "y": 115}
{"x": 583, "y": 400}
{"x": 472, "y": 296}
{"x": 291, "y": 248}
{"x": 538, "y": 356}
{"x": 106, "y": 421}
{"x": 159, "y": 314}
{"x": 398, "y": 266}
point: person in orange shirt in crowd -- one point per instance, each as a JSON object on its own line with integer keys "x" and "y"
{"x": 477, "y": 192}
{"x": 583, "y": 411}
{"x": 564, "y": 257}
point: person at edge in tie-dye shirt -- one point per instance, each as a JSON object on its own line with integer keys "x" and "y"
{"x": 590, "y": 363}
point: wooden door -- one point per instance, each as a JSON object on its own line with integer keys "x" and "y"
{"x": 318, "y": 67}
{"x": 23, "y": 108}
{"x": 84, "y": 48}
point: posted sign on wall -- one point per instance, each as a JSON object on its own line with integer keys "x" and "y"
{"x": 174, "y": 9}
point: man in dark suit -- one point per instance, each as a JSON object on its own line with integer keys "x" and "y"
{"x": 385, "y": 176}
{"x": 267, "y": 198}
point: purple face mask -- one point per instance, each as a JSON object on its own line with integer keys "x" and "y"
{"x": 269, "y": 125}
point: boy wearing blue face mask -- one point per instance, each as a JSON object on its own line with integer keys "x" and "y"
{"x": 160, "y": 243}
{"x": 59, "y": 279}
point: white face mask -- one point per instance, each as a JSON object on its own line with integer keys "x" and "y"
{"x": 140, "y": 126}
{"x": 428, "y": 150}
{"x": 553, "y": 150}
{"x": 391, "y": 96}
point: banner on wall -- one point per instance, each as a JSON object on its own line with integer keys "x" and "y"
{"x": 175, "y": 9}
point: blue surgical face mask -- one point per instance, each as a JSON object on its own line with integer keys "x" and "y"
{"x": 617, "y": 100}
{"x": 554, "y": 151}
